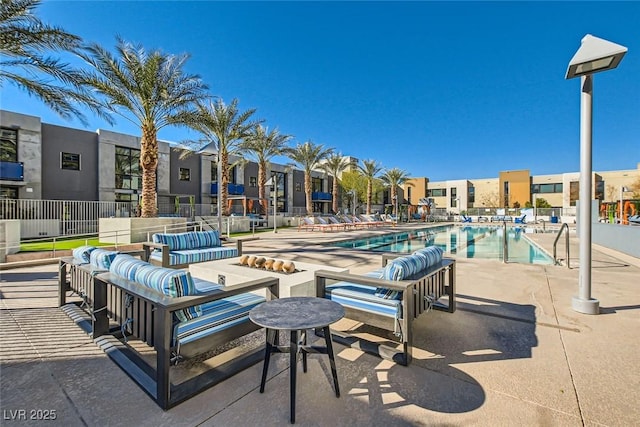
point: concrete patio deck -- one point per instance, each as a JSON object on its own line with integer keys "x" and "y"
{"x": 514, "y": 353}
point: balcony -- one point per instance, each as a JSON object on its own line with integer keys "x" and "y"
{"x": 11, "y": 171}
{"x": 320, "y": 196}
{"x": 233, "y": 189}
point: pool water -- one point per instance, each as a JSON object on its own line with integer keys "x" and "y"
{"x": 466, "y": 242}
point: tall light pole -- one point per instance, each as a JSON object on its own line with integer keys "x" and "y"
{"x": 219, "y": 192}
{"x": 593, "y": 56}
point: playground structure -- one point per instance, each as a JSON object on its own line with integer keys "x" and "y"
{"x": 619, "y": 213}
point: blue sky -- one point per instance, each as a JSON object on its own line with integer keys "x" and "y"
{"x": 448, "y": 90}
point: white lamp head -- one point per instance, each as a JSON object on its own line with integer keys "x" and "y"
{"x": 595, "y": 55}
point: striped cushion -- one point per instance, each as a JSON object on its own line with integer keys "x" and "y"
{"x": 206, "y": 239}
{"x": 101, "y": 258}
{"x": 432, "y": 254}
{"x": 216, "y": 316}
{"x": 83, "y": 254}
{"x": 173, "y": 283}
{"x": 202, "y": 285}
{"x": 126, "y": 266}
{"x": 196, "y": 255}
{"x": 363, "y": 297}
{"x": 175, "y": 241}
{"x": 403, "y": 267}
{"x": 189, "y": 240}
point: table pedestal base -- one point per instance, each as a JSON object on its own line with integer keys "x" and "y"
{"x": 297, "y": 345}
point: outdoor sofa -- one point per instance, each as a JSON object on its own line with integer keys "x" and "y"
{"x": 75, "y": 272}
{"x": 390, "y": 298}
{"x": 178, "y": 316}
{"x": 178, "y": 250}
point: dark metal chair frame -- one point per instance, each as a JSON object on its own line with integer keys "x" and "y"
{"x": 419, "y": 295}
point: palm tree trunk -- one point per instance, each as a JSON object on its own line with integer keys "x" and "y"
{"x": 307, "y": 192}
{"x": 224, "y": 164}
{"x": 369, "y": 196}
{"x": 262, "y": 180}
{"x": 334, "y": 196}
{"x": 149, "y": 164}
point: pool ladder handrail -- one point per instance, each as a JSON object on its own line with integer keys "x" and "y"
{"x": 555, "y": 243}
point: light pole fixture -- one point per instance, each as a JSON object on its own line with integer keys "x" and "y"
{"x": 593, "y": 56}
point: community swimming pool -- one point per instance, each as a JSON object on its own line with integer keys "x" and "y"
{"x": 467, "y": 242}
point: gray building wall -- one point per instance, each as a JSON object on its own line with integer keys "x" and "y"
{"x": 185, "y": 188}
{"x": 29, "y": 152}
{"x": 62, "y": 184}
{"x": 107, "y": 142}
{"x": 251, "y": 170}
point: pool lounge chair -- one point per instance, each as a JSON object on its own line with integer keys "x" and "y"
{"x": 465, "y": 218}
{"x": 521, "y": 219}
{"x": 330, "y": 225}
{"x": 370, "y": 220}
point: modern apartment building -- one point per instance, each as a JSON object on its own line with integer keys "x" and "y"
{"x": 50, "y": 162}
{"x": 517, "y": 188}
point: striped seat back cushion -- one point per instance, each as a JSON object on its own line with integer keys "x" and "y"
{"x": 126, "y": 266}
{"x": 175, "y": 241}
{"x": 403, "y": 267}
{"x": 432, "y": 254}
{"x": 172, "y": 283}
{"x": 101, "y": 258}
{"x": 83, "y": 254}
{"x": 206, "y": 239}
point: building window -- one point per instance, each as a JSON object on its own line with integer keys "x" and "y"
{"x": 546, "y": 188}
{"x": 128, "y": 170}
{"x": 253, "y": 181}
{"x": 8, "y": 145}
{"x": 281, "y": 191}
{"x": 316, "y": 184}
{"x": 600, "y": 190}
{"x": 574, "y": 192}
{"x": 408, "y": 194}
{"x": 437, "y": 192}
{"x": 471, "y": 196}
{"x": 185, "y": 174}
{"x": 506, "y": 194}
{"x": 70, "y": 161}
{"x": 298, "y": 186}
{"x": 453, "y": 197}
{"x": 8, "y": 193}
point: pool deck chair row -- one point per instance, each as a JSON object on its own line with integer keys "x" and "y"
{"x": 391, "y": 298}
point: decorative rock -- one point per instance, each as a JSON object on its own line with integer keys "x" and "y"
{"x": 277, "y": 265}
{"x": 251, "y": 261}
{"x": 259, "y": 262}
{"x": 268, "y": 264}
{"x": 244, "y": 259}
{"x": 288, "y": 267}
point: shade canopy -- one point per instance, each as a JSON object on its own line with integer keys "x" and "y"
{"x": 595, "y": 55}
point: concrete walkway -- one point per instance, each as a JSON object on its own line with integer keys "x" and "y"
{"x": 514, "y": 353}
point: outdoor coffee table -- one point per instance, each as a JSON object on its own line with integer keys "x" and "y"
{"x": 297, "y": 314}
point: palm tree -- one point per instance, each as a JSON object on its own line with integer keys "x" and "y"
{"x": 370, "y": 169}
{"x": 394, "y": 178}
{"x": 224, "y": 127}
{"x": 263, "y": 145}
{"x": 308, "y": 156}
{"x": 149, "y": 89}
{"x": 24, "y": 43}
{"x": 334, "y": 165}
